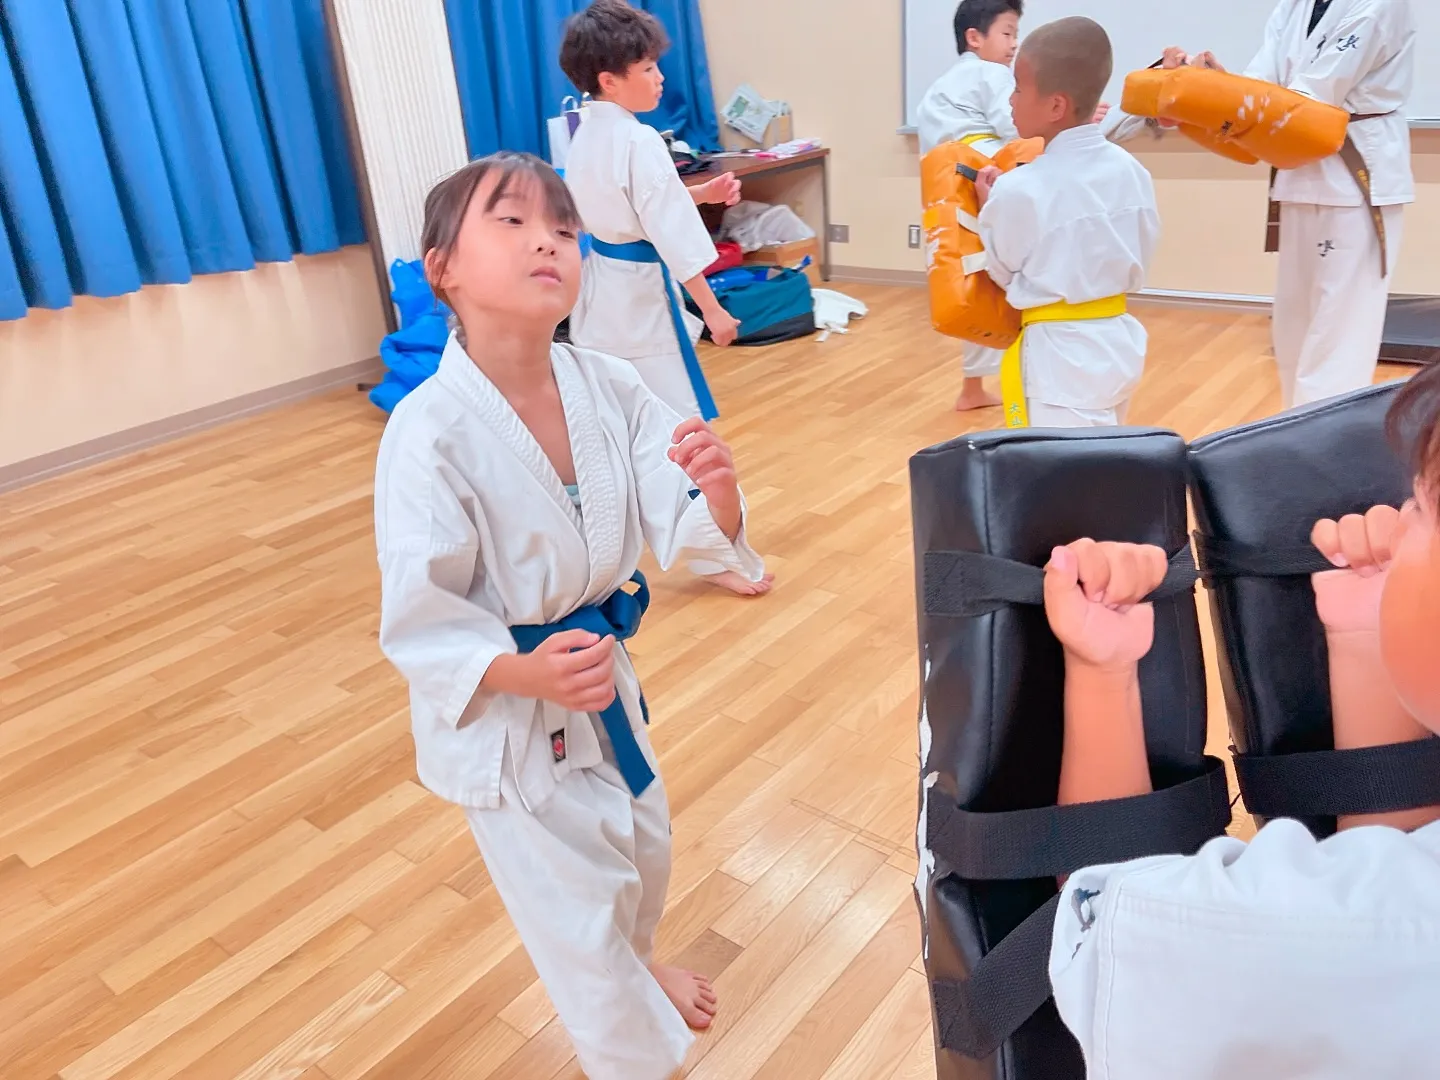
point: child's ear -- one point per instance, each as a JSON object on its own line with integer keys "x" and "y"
{"x": 434, "y": 264}
{"x": 974, "y": 39}
{"x": 608, "y": 80}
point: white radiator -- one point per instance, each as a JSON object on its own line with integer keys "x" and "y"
{"x": 407, "y": 109}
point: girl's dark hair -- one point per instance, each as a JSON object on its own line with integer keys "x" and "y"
{"x": 1413, "y": 427}
{"x": 981, "y": 15}
{"x": 609, "y": 35}
{"x": 448, "y": 201}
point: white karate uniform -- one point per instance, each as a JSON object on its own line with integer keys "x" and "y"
{"x": 1277, "y": 959}
{"x": 626, "y": 188}
{"x": 476, "y": 533}
{"x": 972, "y": 98}
{"x": 1331, "y": 295}
{"x": 1078, "y": 224}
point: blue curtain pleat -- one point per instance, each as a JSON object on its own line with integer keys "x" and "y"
{"x": 84, "y": 207}
{"x": 330, "y": 120}
{"x": 37, "y": 262}
{"x": 144, "y": 141}
{"x": 507, "y": 69}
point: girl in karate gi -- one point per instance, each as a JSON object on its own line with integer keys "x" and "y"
{"x": 645, "y": 226}
{"x": 1333, "y": 283}
{"x": 1286, "y": 957}
{"x": 514, "y": 493}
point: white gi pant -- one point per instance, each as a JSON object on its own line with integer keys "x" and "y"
{"x": 584, "y": 881}
{"x": 1062, "y": 416}
{"x": 1330, "y": 299}
{"x": 981, "y": 361}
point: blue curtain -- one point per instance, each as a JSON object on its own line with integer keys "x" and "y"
{"x": 507, "y": 66}
{"x": 145, "y": 141}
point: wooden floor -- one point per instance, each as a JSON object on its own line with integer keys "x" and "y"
{"x": 215, "y": 860}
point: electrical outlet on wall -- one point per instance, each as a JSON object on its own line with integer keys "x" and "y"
{"x": 839, "y": 234}
{"x": 914, "y": 236}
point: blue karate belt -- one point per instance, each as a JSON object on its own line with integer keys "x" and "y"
{"x": 619, "y": 614}
{"x": 642, "y": 251}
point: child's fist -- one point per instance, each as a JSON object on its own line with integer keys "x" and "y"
{"x": 723, "y": 190}
{"x": 985, "y": 182}
{"x": 707, "y": 461}
{"x": 724, "y": 327}
{"x": 1093, "y": 594}
{"x": 1348, "y": 599}
{"x": 576, "y": 670}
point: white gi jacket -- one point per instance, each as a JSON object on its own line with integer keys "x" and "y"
{"x": 1361, "y": 57}
{"x": 972, "y": 97}
{"x": 1078, "y": 224}
{"x": 1281, "y": 958}
{"x": 476, "y": 534}
{"x": 626, "y": 188}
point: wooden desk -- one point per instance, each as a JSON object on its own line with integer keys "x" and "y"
{"x": 801, "y": 182}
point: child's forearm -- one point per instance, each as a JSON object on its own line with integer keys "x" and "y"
{"x": 1104, "y": 750}
{"x": 704, "y": 296}
{"x": 727, "y": 516}
{"x": 1366, "y": 711}
{"x": 509, "y": 674}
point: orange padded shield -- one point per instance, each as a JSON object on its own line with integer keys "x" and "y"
{"x": 1247, "y": 120}
{"x": 965, "y": 302}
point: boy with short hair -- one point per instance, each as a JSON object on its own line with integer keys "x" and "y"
{"x": 971, "y": 103}
{"x": 645, "y": 227}
{"x": 1067, "y": 237}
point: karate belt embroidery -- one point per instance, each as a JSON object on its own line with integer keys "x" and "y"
{"x": 619, "y": 614}
{"x": 1012, "y": 375}
{"x": 1355, "y": 164}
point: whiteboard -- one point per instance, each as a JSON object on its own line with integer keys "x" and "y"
{"x": 1139, "y": 31}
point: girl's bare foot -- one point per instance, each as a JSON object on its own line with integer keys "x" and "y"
{"x": 740, "y": 585}
{"x": 973, "y": 395}
{"x": 690, "y": 993}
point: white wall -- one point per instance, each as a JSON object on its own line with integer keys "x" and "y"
{"x": 104, "y": 367}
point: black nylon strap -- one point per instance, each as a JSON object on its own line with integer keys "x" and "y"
{"x": 975, "y": 1015}
{"x": 1232, "y": 559}
{"x": 1328, "y": 783}
{"x": 1052, "y": 840}
{"x": 964, "y": 584}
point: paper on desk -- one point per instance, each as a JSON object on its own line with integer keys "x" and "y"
{"x": 749, "y": 113}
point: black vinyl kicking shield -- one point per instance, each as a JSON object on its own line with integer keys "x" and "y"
{"x": 987, "y": 511}
{"x": 1258, "y": 491}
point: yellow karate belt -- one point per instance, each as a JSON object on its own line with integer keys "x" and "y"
{"x": 979, "y": 136}
{"x": 1012, "y": 378}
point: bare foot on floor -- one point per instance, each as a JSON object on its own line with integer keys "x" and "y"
{"x": 689, "y": 992}
{"x": 741, "y": 585}
{"x": 973, "y": 397}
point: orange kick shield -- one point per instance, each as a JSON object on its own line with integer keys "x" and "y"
{"x": 964, "y": 301}
{"x": 1246, "y": 120}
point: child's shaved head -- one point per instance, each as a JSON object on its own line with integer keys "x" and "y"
{"x": 1071, "y": 57}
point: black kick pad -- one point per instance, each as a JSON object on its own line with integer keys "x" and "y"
{"x": 987, "y": 510}
{"x": 1258, "y": 491}
{"x": 1412, "y": 330}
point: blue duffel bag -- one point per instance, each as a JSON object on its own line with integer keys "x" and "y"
{"x": 773, "y": 303}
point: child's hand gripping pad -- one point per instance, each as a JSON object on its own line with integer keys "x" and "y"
{"x": 965, "y": 302}
{"x": 1258, "y": 491}
{"x": 1244, "y": 119}
{"x": 987, "y": 511}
